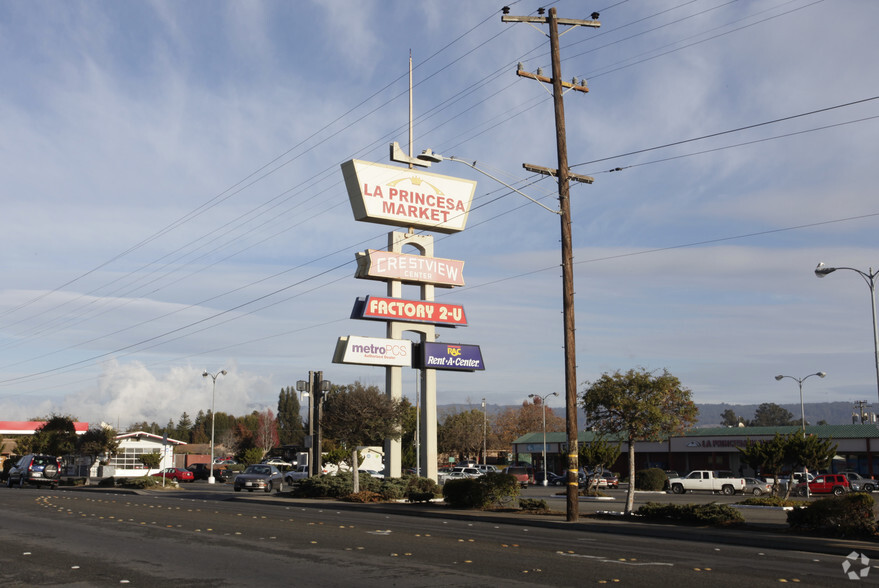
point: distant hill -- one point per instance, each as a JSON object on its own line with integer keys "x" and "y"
{"x": 834, "y": 413}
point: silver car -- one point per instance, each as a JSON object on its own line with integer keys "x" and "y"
{"x": 260, "y": 477}
{"x": 757, "y": 487}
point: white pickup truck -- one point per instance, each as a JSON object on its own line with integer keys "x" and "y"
{"x": 708, "y": 481}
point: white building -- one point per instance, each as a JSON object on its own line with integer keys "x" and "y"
{"x": 126, "y": 461}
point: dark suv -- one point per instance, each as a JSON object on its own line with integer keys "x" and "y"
{"x": 202, "y": 471}
{"x": 35, "y": 469}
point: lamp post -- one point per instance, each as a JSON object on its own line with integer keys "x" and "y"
{"x": 304, "y": 387}
{"x": 484, "y": 420}
{"x": 543, "y": 402}
{"x": 800, "y": 381}
{"x": 213, "y": 417}
{"x": 869, "y": 277}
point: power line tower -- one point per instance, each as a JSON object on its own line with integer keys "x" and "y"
{"x": 564, "y": 176}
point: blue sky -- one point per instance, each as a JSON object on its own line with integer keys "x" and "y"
{"x": 173, "y": 198}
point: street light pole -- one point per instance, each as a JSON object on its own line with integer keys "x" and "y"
{"x": 800, "y": 381}
{"x": 213, "y": 417}
{"x": 484, "y": 460}
{"x": 869, "y": 277}
{"x": 543, "y": 404}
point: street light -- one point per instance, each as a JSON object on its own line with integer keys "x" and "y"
{"x": 213, "y": 395}
{"x": 800, "y": 381}
{"x": 484, "y": 460}
{"x": 869, "y": 277}
{"x": 543, "y": 402}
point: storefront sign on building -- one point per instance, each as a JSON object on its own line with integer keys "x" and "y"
{"x": 393, "y": 195}
{"x": 416, "y": 269}
{"x": 413, "y": 311}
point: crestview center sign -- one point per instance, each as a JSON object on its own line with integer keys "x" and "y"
{"x": 392, "y": 195}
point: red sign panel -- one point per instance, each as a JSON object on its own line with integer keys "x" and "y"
{"x": 413, "y": 311}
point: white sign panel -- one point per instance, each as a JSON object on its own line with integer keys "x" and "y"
{"x": 403, "y": 197}
{"x": 373, "y": 351}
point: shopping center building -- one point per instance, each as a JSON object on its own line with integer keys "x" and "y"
{"x": 716, "y": 448}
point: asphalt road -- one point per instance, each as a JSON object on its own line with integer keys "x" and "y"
{"x": 211, "y": 536}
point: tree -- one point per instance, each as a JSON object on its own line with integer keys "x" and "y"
{"x": 770, "y": 414}
{"x": 513, "y": 423}
{"x": 266, "y": 436}
{"x": 460, "y": 433}
{"x": 598, "y": 455}
{"x": 98, "y": 441}
{"x": 356, "y": 415}
{"x": 729, "y": 418}
{"x": 150, "y": 460}
{"x": 183, "y": 430}
{"x": 639, "y": 406}
{"x": 57, "y": 436}
{"x": 768, "y": 457}
{"x": 290, "y": 428}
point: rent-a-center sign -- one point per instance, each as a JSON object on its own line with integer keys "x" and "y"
{"x": 403, "y": 197}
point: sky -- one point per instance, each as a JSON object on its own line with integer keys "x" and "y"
{"x": 174, "y": 203}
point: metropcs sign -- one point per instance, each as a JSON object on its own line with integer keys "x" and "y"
{"x": 373, "y": 351}
{"x": 394, "y": 195}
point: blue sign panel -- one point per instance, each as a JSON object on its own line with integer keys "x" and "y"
{"x": 452, "y": 356}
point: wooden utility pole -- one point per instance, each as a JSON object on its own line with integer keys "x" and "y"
{"x": 563, "y": 173}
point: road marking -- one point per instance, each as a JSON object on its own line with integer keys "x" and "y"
{"x": 603, "y": 559}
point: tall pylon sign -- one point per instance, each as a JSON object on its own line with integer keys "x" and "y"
{"x": 413, "y": 199}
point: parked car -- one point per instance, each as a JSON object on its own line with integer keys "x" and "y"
{"x": 486, "y": 468}
{"x": 836, "y": 484}
{"x": 757, "y": 487}
{"x": 276, "y": 461}
{"x": 523, "y": 474}
{"x": 260, "y": 477}
{"x": 202, "y": 471}
{"x": 225, "y": 461}
{"x": 610, "y": 480}
{"x": 860, "y": 483}
{"x": 178, "y": 474}
{"x": 296, "y": 474}
{"x": 373, "y": 473}
{"x": 39, "y": 470}
{"x": 469, "y": 472}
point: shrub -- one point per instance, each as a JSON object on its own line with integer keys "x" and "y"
{"x": 148, "y": 483}
{"x": 650, "y": 479}
{"x": 481, "y": 492}
{"x": 464, "y": 493}
{"x": 421, "y": 489}
{"x": 533, "y": 504}
{"x": 364, "y": 496}
{"x": 699, "y": 514}
{"x": 772, "y": 501}
{"x": 850, "y": 515}
{"x": 498, "y": 488}
{"x": 107, "y": 482}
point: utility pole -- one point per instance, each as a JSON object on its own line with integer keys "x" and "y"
{"x": 861, "y": 407}
{"x": 564, "y": 176}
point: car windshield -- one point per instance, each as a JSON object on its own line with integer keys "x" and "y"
{"x": 263, "y": 470}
